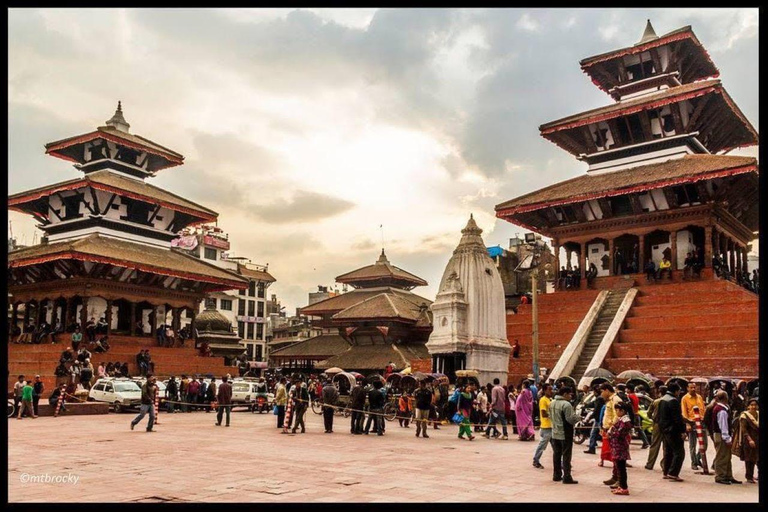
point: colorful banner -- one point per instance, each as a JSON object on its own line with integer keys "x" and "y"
{"x": 188, "y": 242}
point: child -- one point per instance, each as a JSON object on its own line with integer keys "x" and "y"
{"x": 404, "y": 410}
{"x": 619, "y": 437}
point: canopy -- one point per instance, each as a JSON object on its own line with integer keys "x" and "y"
{"x": 333, "y": 371}
{"x": 632, "y": 374}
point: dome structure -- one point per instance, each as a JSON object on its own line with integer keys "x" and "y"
{"x": 213, "y": 328}
{"x": 469, "y": 316}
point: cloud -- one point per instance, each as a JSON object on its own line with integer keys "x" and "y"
{"x": 304, "y": 206}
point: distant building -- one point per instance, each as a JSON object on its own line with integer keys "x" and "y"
{"x": 515, "y": 265}
{"x": 245, "y": 308}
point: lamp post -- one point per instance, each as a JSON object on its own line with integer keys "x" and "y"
{"x": 535, "y": 317}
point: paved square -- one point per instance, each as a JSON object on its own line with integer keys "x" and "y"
{"x": 190, "y": 459}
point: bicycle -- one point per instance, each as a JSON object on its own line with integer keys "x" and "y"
{"x": 11, "y": 408}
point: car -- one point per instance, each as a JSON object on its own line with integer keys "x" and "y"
{"x": 122, "y": 393}
{"x": 244, "y": 392}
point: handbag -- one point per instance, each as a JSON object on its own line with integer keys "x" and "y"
{"x": 274, "y": 410}
{"x": 457, "y": 418}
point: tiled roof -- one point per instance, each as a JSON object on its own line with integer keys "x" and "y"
{"x": 318, "y": 347}
{"x": 155, "y": 260}
{"x": 382, "y": 271}
{"x": 382, "y": 306}
{"x": 338, "y": 303}
{"x": 115, "y": 135}
{"x": 112, "y": 182}
{"x": 591, "y": 186}
{"x": 259, "y": 275}
{"x": 619, "y": 107}
{"x": 376, "y": 357}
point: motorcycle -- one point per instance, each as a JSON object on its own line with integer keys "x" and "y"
{"x": 586, "y": 411}
{"x": 260, "y": 404}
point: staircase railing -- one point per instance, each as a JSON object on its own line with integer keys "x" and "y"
{"x": 610, "y": 335}
{"x": 573, "y": 350}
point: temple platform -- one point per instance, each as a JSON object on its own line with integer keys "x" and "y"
{"x": 703, "y": 327}
{"x": 31, "y": 360}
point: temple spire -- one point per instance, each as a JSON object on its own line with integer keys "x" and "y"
{"x": 382, "y": 259}
{"x": 118, "y": 121}
{"x": 649, "y": 34}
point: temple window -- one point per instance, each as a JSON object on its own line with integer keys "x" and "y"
{"x": 621, "y": 205}
{"x": 137, "y": 211}
{"x": 241, "y": 330}
{"x": 251, "y": 308}
{"x": 639, "y": 66}
{"x": 209, "y": 253}
{"x": 252, "y": 289}
{"x": 241, "y": 307}
{"x": 686, "y": 195}
{"x": 226, "y": 304}
{"x": 250, "y": 331}
{"x": 72, "y": 206}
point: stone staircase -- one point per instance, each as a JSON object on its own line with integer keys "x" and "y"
{"x": 600, "y": 327}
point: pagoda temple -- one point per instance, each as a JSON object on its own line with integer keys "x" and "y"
{"x": 658, "y": 184}
{"x": 106, "y": 252}
{"x": 380, "y": 322}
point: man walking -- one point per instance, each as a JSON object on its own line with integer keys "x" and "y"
{"x": 498, "y": 411}
{"x": 356, "y": 403}
{"x": 672, "y": 427}
{"x": 171, "y": 394}
{"x": 224, "y": 397}
{"x": 721, "y": 431}
{"x": 193, "y": 389}
{"x": 689, "y": 401}
{"x": 148, "y": 391}
{"x": 18, "y": 388}
{"x": 562, "y": 417}
{"x": 37, "y": 391}
{"x": 545, "y": 425}
{"x": 330, "y": 397}
{"x": 423, "y": 397}
{"x": 653, "y": 415}
{"x": 26, "y": 401}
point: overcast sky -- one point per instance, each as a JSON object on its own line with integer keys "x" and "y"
{"x": 308, "y": 129}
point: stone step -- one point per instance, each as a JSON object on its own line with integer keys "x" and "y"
{"x": 684, "y": 349}
{"x": 748, "y": 332}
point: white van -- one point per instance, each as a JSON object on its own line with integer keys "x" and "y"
{"x": 122, "y": 393}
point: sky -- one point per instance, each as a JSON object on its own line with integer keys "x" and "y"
{"x": 319, "y": 135}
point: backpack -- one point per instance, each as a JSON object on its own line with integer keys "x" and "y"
{"x": 455, "y": 397}
{"x": 709, "y": 418}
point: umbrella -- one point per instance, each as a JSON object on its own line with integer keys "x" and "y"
{"x": 419, "y": 375}
{"x": 374, "y": 377}
{"x": 699, "y": 380}
{"x": 631, "y": 374}
{"x": 333, "y": 371}
{"x": 599, "y": 372}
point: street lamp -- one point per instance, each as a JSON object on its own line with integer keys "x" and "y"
{"x": 535, "y": 315}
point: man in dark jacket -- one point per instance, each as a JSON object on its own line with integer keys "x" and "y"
{"x": 300, "y": 405}
{"x": 563, "y": 418}
{"x": 224, "y": 397}
{"x": 423, "y": 398}
{"x": 376, "y": 403}
{"x": 330, "y": 397}
{"x": 172, "y": 394}
{"x": 357, "y": 403}
{"x": 148, "y": 392}
{"x": 672, "y": 428}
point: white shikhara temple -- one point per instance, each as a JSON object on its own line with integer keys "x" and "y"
{"x": 468, "y": 313}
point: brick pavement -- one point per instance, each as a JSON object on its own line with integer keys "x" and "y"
{"x": 189, "y": 459}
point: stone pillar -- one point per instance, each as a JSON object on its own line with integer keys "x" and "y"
{"x": 745, "y": 260}
{"x": 556, "y": 245}
{"x": 611, "y": 270}
{"x": 583, "y": 261}
{"x": 640, "y": 253}
{"x": 108, "y": 316}
{"x": 15, "y": 317}
{"x": 66, "y": 316}
{"x": 38, "y": 313}
{"x": 673, "y": 249}
{"x": 732, "y": 257}
{"x": 568, "y": 255}
{"x": 84, "y": 315}
{"x": 133, "y": 319}
{"x": 26, "y": 313}
{"x": 153, "y": 321}
{"x": 708, "y": 246}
